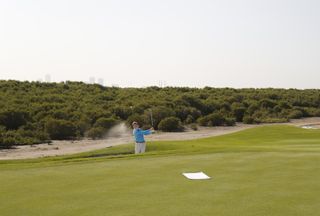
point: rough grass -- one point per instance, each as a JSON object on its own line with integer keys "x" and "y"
{"x": 272, "y": 170}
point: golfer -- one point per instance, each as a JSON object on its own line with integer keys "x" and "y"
{"x": 138, "y": 133}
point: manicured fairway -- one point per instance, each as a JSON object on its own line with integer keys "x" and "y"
{"x": 271, "y": 170}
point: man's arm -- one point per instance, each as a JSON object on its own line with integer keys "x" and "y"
{"x": 147, "y": 132}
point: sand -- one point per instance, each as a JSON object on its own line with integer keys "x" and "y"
{"x": 71, "y": 147}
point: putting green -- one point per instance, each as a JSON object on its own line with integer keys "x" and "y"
{"x": 271, "y": 170}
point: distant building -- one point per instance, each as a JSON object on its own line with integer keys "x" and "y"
{"x": 92, "y": 80}
{"x": 100, "y": 81}
{"x": 47, "y": 78}
{"x": 162, "y": 83}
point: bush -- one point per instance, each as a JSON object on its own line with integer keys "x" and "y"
{"x": 267, "y": 103}
{"x": 96, "y": 133}
{"x": 7, "y": 140}
{"x": 10, "y": 138}
{"x": 203, "y": 121}
{"x": 121, "y": 112}
{"x": 82, "y": 126}
{"x": 159, "y": 113}
{"x": 146, "y": 126}
{"x": 105, "y": 123}
{"x": 189, "y": 119}
{"x": 137, "y": 118}
{"x": 13, "y": 119}
{"x": 248, "y": 120}
{"x": 262, "y": 113}
{"x": 238, "y": 111}
{"x": 60, "y": 129}
{"x": 194, "y": 127}
{"x": 26, "y": 107}
{"x": 230, "y": 122}
{"x": 314, "y": 112}
{"x": 170, "y": 124}
{"x": 295, "y": 114}
{"x": 2, "y": 129}
{"x": 187, "y": 114}
{"x": 214, "y": 119}
{"x": 37, "y": 136}
{"x": 42, "y": 136}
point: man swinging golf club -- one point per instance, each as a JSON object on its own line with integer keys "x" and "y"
{"x": 138, "y": 133}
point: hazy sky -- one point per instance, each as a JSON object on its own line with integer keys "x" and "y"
{"x": 221, "y": 43}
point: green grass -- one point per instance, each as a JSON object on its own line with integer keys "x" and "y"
{"x": 273, "y": 170}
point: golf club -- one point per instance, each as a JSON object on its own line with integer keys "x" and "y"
{"x": 151, "y": 117}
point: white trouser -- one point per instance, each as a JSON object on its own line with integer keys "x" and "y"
{"x": 140, "y": 148}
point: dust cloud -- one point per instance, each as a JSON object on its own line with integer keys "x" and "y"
{"x": 120, "y": 130}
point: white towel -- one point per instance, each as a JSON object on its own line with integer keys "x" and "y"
{"x": 196, "y": 176}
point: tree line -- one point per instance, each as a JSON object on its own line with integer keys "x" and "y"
{"x": 36, "y": 112}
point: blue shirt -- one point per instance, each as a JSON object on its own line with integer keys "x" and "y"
{"x": 139, "y": 135}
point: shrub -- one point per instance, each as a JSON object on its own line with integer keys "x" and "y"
{"x": 189, "y": 119}
{"x": 203, "y": 121}
{"x": 194, "y": 127}
{"x": 60, "y": 129}
{"x": 35, "y": 135}
{"x": 105, "y": 123}
{"x": 238, "y": 111}
{"x": 159, "y": 113}
{"x": 137, "y": 118}
{"x": 262, "y": 114}
{"x": 253, "y": 107}
{"x": 193, "y": 101}
{"x": 61, "y": 114}
{"x": 267, "y": 103}
{"x": 248, "y": 120}
{"x": 5, "y": 141}
{"x": 2, "y": 129}
{"x": 315, "y": 112}
{"x": 170, "y": 124}
{"x": 26, "y": 107}
{"x": 230, "y": 122}
{"x": 11, "y": 138}
{"x": 42, "y": 136}
{"x": 13, "y": 119}
{"x": 295, "y": 114}
{"x": 214, "y": 119}
{"x": 187, "y": 114}
{"x": 146, "y": 127}
{"x": 96, "y": 133}
{"x": 121, "y": 112}
{"x": 82, "y": 126}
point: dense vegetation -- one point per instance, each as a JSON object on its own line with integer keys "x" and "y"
{"x": 34, "y": 112}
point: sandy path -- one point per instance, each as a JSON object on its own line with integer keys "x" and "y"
{"x": 72, "y": 147}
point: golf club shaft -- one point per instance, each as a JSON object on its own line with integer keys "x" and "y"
{"x": 151, "y": 117}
